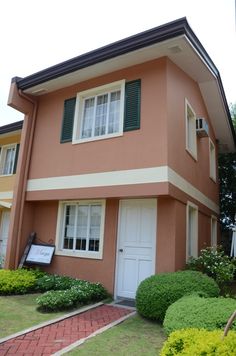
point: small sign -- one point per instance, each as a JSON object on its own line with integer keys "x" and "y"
{"x": 40, "y": 254}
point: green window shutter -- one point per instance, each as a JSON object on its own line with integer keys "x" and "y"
{"x": 132, "y": 105}
{"x": 68, "y": 120}
{"x": 16, "y": 158}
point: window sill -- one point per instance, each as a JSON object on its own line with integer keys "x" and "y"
{"x": 213, "y": 179}
{"x": 88, "y": 255}
{"x": 6, "y": 175}
{"x": 97, "y": 138}
{"x": 192, "y": 154}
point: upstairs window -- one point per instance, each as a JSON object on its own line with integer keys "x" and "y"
{"x": 103, "y": 112}
{"x": 191, "y": 136}
{"x": 7, "y": 159}
{"x": 99, "y": 113}
{"x": 81, "y": 228}
{"x": 212, "y": 160}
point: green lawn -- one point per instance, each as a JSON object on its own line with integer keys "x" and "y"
{"x": 135, "y": 336}
{"x": 19, "y": 312}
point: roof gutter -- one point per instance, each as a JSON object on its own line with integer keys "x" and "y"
{"x": 147, "y": 38}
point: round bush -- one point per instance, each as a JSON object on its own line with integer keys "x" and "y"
{"x": 196, "y": 312}
{"x": 197, "y": 342}
{"x": 156, "y": 293}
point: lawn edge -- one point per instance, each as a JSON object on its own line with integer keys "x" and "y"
{"x": 95, "y": 333}
{"x": 52, "y": 321}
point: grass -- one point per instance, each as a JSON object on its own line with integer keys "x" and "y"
{"x": 135, "y": 336}
{"x": 19, "y": 312}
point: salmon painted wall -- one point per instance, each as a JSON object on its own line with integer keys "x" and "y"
{"x": 166, "y": 225}
{"x": 44, "y": 219}
{"x": 181, "y": 87}
{"x": 204, "y": 230}
{"x": 135, "y": 149}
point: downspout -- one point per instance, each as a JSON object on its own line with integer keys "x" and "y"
{"x": 26, "y": 170}
{"x": 16, "y": 223}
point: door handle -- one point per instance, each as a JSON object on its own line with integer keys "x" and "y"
{"x": 121, "y": 250}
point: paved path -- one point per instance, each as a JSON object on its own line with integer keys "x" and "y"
{"x": 50, "y": 339}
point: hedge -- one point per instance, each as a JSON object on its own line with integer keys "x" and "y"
{"x": 19, "y": 281}
{"x": 82, "y": 292}
{"x": 195, "y": 342}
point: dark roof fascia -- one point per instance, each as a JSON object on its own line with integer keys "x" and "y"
{"x": 15, "y": 126}
{"x": 141, "y": 40}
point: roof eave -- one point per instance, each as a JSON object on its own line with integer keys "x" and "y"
{"x": 10, "y": 128}
{"x": 147, "y": 38}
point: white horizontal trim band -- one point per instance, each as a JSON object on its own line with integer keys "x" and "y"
{"x": 114, "y": 178}
{"x": 6, "y": 195}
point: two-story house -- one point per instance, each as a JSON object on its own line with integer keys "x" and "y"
{"x": 112, "y": 169}
{"x": 9, "y": 148}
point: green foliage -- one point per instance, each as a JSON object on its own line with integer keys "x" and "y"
{"x": 156, "y": 293}
{"x": 58, "y": 300}
{"x": 227, "y": 178}
{"x": 54, "y": 282}
{"x": 214, "y": 263}
{"x": 81, "y": 292}
{"x": 195, "y": 342}
{"x": 195, "y": 312}
{"x": 17, "y": 281}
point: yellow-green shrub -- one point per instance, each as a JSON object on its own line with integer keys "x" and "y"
{"x": 199, "y": 342}
{"x": 16, "y": 282}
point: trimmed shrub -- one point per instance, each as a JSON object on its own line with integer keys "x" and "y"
{"x": 214, "y": 263}
{"x": 196, "y": 312}
{"x": 19, "y": 281}
{"x": 156, "y": 293}
{"x": 199, "y": 342}
{"x": 54, "y": 282}
{"x": 95, "y": 291}
{"x": 82, "y": 292}
{"x": 58, "y": 300}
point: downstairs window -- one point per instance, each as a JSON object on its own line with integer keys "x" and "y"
{"x": 81, "y": 228}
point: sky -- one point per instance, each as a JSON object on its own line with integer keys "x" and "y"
{"x": 36, "y": 34}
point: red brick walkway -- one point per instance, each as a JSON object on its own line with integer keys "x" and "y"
{"x": 54, "y": 337}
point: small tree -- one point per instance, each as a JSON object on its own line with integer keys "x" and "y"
{"x": 227, "y": 177}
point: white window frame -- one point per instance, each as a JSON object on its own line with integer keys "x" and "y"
{"x": 194, "y": 232}
{"x": 191, "y": 142}
{"x": 212, "y": 160}
{"x": 79, "y": 109}
{"x": 214, "y": 232}
{"x": 60, "y": 229}
{"x": 3, "y": 159}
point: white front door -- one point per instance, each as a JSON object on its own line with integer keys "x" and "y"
{"x": 136, "y": 247}
{"x": 4, "y": 229}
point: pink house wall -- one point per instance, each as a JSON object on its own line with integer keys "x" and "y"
{"x": 146, "y": 147}
{"x": 159, "y": 142}
{"x": 181, "y": 87}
